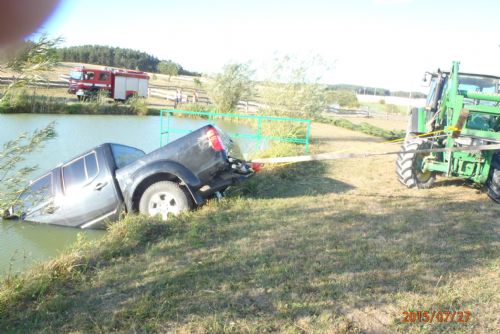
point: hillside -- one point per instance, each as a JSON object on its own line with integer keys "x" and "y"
{"x": 119, "y": 57}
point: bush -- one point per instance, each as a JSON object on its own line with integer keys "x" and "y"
{"x": 203, "y": 107}
{"x": 344, "y": 98}
{"x": 230, "y": 86}
{"x": 137, "y": 105}
{"x": 391, "y": 108}
{"x": 290, "y": 91}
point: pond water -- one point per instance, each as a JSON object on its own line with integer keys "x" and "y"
{"x": 23, "y": 243}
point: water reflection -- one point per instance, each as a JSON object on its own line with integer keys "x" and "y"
{"x": 23, "y": 243}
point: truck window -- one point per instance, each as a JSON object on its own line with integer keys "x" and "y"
{"x": 103, "y": 76}
{"x": 37, "y": 192}
{"x": 77, "y": 75}
{"x": 91, "y": 166}
{"x": 80, "y": 171}
{"x": 125, "y": 155}
{"x": 89, "y": 75}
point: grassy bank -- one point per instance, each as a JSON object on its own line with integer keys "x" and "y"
{"x": 313, "y": 247}
{"x": 363, "y": 127}
{"x": 22, "y": 101}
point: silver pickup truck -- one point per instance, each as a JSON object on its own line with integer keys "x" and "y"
{"x": 97, "y": 186}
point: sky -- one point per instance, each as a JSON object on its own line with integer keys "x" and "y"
{"x": 384, "y": 43}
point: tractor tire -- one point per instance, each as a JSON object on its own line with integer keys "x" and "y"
{"x": 408, "y": 165}
{"x": 494, "y": 179}
{"x": 164, "y": 198}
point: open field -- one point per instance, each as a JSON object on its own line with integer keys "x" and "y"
{"x": 385, "y": 109}
{"x": 390, "y": 123}
{"x": 337, "y": 247}
{"x": 399, "y": 101}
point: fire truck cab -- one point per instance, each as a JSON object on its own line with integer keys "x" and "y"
{"x": 119, "y": 84}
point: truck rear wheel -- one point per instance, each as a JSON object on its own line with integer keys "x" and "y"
{"x": 409, "y": 165}
{"x": 494, "y": 180}
{"x": 164, "y": 198}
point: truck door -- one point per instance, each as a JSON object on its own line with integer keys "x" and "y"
{"x": 143, "y": 88}
{"x": 104, "y": 80}
{"x": 89, "y": 191}
{"x": 120, "y": 88}
{"x": 38, "y": 202}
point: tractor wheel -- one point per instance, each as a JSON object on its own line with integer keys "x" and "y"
{"x": 164, "y": 198}
{"x": 409, "y": 165}
{"x": 494, "y": 180}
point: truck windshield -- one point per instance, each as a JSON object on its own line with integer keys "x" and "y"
{"x": 76, "y": 75}
{"x": 125, "y": 155}
{"x": 432, "y": 92}
{"x": 479, "y": 84}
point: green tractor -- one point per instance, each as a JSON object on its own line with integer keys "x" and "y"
{"x": 462, "y": 111}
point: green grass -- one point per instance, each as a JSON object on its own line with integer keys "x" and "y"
{"x": 43, "y": 105}
{"x": 364, "y": 127}
{"x": 22, "y": 101}
{"x": 293, "y": 250}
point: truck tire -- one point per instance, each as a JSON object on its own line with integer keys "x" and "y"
{"x": 163, "y": 198}
{"x": 408, "y": 165}
{"x": 494, "y": 179}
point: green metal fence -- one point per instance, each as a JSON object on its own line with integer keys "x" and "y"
{"x": 258, "y": 135}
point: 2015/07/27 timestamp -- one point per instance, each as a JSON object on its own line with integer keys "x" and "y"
{"x": 436, "y": 316}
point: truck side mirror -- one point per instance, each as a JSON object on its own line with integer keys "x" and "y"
{"x": 426, "y": 80}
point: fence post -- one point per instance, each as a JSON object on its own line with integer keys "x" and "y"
{"x": 161, "y": 128}
{"x": 308, "y": 132}
{"x": 259, "y": 131}
{"x": 168, "y": 127}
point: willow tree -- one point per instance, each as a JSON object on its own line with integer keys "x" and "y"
{"x": 231, "y": 86}
{"x": 294, "y": 87}
{"x": 30, "y": 62}
{"x": 13, "y": 175}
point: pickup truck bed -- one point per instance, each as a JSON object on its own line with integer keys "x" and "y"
{"x": 97, "y": 186}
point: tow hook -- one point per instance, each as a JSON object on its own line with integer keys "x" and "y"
{"x": 239, "y": 166}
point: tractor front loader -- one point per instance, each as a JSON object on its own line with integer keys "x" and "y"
{"x": 462, "y": 110}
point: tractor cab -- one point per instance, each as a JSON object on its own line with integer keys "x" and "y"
{"x": 469, "y": 90}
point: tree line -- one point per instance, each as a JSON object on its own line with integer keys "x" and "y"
{"x": 120, "y": 57}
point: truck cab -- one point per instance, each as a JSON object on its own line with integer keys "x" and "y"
{"x": 84, "y": 81}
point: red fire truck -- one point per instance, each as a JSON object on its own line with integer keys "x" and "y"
{"x": 120, "y": 84}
